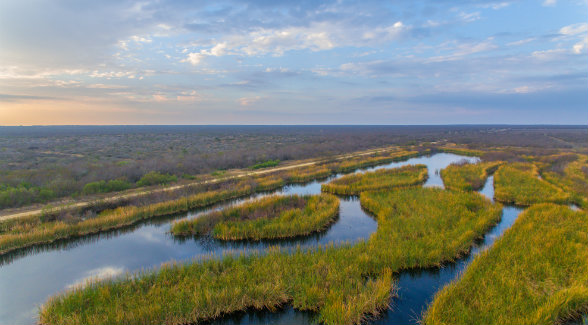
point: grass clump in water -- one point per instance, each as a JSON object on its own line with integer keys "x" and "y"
{"x": 417, "y": 227}
{"x": 307, "y": 174}
{"x": 267, "y": 218}
{"x": 269, "y": 183}
{"x": 536, "y": 273}
{"x": 520, "y": 184}
{"x": 377, "y": 180}
{"x": 466, "y": 176}
{"x": 349, "y": 165}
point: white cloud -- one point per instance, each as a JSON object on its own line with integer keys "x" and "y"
{"x": 247, "y": 101}
{"x": 547, "y": 55}
{"x": 189, "y": 96}
{"x": 464, "y": 49}
{"x": 469, "y": 17}
{"x": 194, "y": 58}
{"x": 315, "y": 37}
{"x": 579, "y": 47}
{"x": 549, "y": 3}
{"x": 103, "y": 86}
{"x": 521, "y": 42}
{"x": 574, "y": 31}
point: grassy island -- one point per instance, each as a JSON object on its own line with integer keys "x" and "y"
{"x": 521, "y": 184}
{"x": 418, "y": 227}
{"x": 377, "y": 180}
{"x": 537, "y": 273}
{"x": 467, "y": 177}
{"x": 270, "y": 217}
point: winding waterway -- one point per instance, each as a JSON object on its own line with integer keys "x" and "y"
{"x": 28, "y": 277}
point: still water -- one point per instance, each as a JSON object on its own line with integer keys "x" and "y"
{"x": 28, "y": 277}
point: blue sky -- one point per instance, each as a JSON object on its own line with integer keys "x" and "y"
{"x": 286, "y": 62}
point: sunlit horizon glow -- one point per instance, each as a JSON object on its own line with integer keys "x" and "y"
{"x": 275, "y": 62}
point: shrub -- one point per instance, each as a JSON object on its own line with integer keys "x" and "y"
{"x": 156, "y": 178}
{"x": 266, "y": 164}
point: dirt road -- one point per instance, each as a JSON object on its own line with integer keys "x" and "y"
{"x": 237, "y": 173}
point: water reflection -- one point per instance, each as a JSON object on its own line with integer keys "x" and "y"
{"x": 28, "y": 277}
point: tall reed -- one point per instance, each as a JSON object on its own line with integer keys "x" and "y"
{"x": 536, "y": 273}
{"x": 417, "y": 227}
{"x": 267, "y": 218}
{"x": 377, "y": 180}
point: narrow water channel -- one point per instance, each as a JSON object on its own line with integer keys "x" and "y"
{"x": 28, "y": 277}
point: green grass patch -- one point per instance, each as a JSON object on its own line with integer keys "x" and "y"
{"x": 105, "y": 187}
{"x": 417, "y": 227}
{"x": 266, "y": 164}
{"x": 467, "y": 177}
{"x": 537, "y": 273}
{"x": 218, "y": 173}
{"x": 519, "y": 183}
{"x": 268, "y": 218}
{"x": 377, "y": 180}
{"x": 156, "y": 178}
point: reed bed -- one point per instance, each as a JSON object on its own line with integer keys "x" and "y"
{"x": 307, "y": 174}
{"x": 520, "y": 184}
{"x": 536, "y": 273}
{"x": 418, "y": 227}
{"x": 377, "y": 180}
{"x": 27, "y": 234}
{"x": 20, "y": 233}
{"x": 574, "y": 180}
{"x": 468, "y": 177}
{"x": 271, "y": 217}
{"x": 350, "y": 165}
{"x": 463, "y": 151}
{"x": 269, "y": 183}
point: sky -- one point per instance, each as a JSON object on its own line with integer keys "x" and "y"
{"x": 293, "y": 62}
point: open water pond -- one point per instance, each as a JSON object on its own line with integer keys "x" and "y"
{"x": 28, "y": 277}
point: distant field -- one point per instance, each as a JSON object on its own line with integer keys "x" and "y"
{"x": 41, "y": 164}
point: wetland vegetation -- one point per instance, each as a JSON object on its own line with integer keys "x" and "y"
{"x": 268, "y": 218}
{"x": 418, "y": 227}
{"x": 344, "y": 282}
{"x": 521, "y": 184}
{"x": 377, "y": 180}
{"x": 537, "y": 273}
{"x": 465, "y": 176}
{"x": 45, "y": 163}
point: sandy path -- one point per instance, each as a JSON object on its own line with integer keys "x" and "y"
{"x": 237, "y": 173}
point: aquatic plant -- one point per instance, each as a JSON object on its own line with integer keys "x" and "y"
{"x": 520, "y": 183}
{"x": 377, "y": 180}
{"x": 307, "y": 174}
{"x": 352, "y": 164}
{"x": 536, "y": 273}
{"x": 462, "y": 151}
{"x": 574, "y": 179}
{"x": 269, "y": 182}
{"x": 417, "y": 227}
{"x": 18, "y": 234}
{"x": 467, "y": 176}
{"x": 271, "y": 217}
